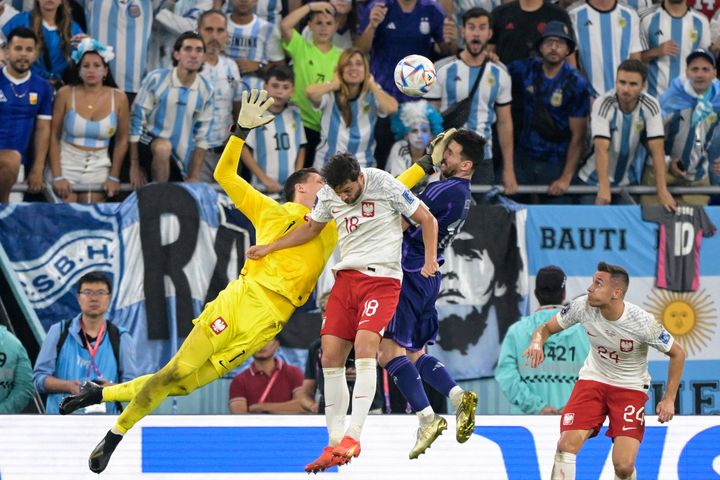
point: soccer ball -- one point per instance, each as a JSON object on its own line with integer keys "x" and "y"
{"x": 414, "y": 75}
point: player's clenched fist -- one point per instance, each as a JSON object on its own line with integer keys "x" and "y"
{"x": 430, "y": 269}
{"x": 535, "y": 354}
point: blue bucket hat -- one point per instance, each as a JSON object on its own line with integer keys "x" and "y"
{"x": 557, "y": 29}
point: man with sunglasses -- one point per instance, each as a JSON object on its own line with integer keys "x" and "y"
{"x": 86, "y": 347}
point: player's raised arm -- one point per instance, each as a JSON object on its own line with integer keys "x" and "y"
{"x": 252, "y": 115}
{"x": 302, "y": 234}
{"x": 535, "y": 352}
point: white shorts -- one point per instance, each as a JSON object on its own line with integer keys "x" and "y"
{"x": 84, "y": 166}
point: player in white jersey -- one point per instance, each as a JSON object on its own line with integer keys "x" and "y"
{"x": 367, "y": 205}
{"x": 620, "y": 120}
{"x": 614, "y": 380}
{"x": 670, "y": 31}
{"x": 608, "y": 32}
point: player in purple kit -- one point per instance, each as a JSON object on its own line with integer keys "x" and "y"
{"x": 415, "y": 324}
{"x": 25, "y": 107}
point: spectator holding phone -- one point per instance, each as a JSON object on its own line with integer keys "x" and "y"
{"x": 690, "y": 109}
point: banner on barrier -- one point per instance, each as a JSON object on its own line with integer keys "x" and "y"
{"x": 278, "y": 447}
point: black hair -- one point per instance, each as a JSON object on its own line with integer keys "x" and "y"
{"x": 74, "y": 72}
{"x": 550, "y": 298}
{"x": 179, "y": 43}
{"x": 342, "y": 168}
{"x": 21, "y": 32}
{"x": 635, "y": 66}
{"x": 477, "y": 12}
{"x": 282, "y": 73}
{"x": 300, "y": 176}
{"x": 94, "y": 277}
{"x": 473, "y": 145}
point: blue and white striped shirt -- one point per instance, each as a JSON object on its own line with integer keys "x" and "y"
{"x": 690, "y": 31}
{"x": 258, "y": 41}
{"x": 227, "y": 86}
{"x": 605, "y": 39}
{"x": 625, "y": 131}
{"x": 336, "y": 136}
{"x": 269, "y": 10}
{"x": 454, "y": 82}
{"x": 126, "y": 27}
{"x": 276, "y": 145}
{"x": 686, "y": 142}
{"x": 164, "y": 108}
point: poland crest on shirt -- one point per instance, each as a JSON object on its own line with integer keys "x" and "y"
{"x": 370, "y": 229}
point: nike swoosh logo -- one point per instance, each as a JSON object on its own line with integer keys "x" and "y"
{"x": 364, "y": 321}
{"x": 625, "y": 429}
{"x": 288, "y": 228}
{"x": 237, "y": 356}
{"x": 335, "y": 210}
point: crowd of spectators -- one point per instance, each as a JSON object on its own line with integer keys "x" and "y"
{"x": 102, "y": 92}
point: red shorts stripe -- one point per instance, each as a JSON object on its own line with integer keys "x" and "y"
{"x": 590, "y": 402}
{"x": 360, "y": 302}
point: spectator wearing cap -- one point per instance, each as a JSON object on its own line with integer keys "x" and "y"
{"x": 690, "y": 109}
{"x": 556, "y": 104}
{"x": 544, "y": 390}
{"x": 269, "y": 385}
{"x": 670, "y": 31}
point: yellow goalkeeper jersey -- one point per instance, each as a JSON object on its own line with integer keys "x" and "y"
{"x": 292, "y": 272}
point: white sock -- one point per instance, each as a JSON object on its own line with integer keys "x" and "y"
{"x": 456, "y": 395}
{"x": 363, "y": 394}
{"x": 564, "y": 467}
{"x": 631, "y": 477}
{"x": 426, "y": 416}
{"x": 116, "y": 431}
{"x": 337, "y": 399}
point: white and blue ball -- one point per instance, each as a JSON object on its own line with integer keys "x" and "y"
{"x": 414, "y": 75}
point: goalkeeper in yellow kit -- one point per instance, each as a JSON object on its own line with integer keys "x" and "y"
{"x": 251, "y": 310}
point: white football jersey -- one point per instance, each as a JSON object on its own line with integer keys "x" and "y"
{"x": 618, "y": 349}
{"x": 369, "y": 231}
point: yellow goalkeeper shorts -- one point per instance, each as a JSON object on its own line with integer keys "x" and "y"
{"x": 241, "y": 320}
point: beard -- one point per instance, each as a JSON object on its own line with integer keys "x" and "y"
{"x": 475, "y": 48}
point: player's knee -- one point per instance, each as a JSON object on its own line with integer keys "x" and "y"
{"x": 175, "y": 372}
{"x": 332, "y": 360}
{"x": 567, "y": 444}
{"x": 623, "y": 468}
{"x": 385, "y": 355}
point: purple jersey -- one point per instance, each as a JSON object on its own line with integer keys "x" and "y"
{"x": 449, "y": 201}
{"x": 401, "y": 34}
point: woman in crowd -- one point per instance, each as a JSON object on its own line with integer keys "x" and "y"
{"x": 414, "y": 125}
{"x": 86, "y": 115}
{"x": 350, "y": 105}
{"x": 57, "y": 34}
